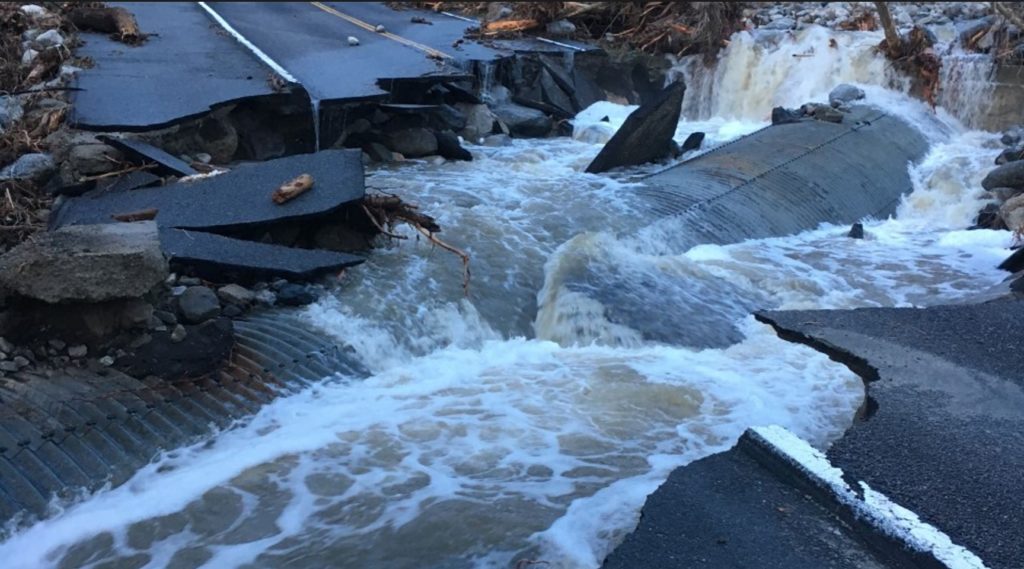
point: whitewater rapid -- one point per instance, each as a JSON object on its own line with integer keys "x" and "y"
{"x": 520, "y": 422}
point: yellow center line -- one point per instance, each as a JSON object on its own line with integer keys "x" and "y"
{"x": 371, "y": 28}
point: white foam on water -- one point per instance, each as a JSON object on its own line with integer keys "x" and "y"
{"x": 477, "y": 441}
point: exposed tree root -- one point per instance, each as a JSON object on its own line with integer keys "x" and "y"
{"x": 385, "y": 211}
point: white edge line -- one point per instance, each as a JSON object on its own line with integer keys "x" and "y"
{"x": 248, "y": 44}
{"x": 878, "y": 510}
{"x": 560, "y": 44}
{"x": 463, "y": 18}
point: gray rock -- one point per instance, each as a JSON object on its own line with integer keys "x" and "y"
{"x": 1009, "y": 175}
{"x": 8, "y": 366}
{"x": 36, "y": 167}
{"x": 561, "y": 28}
{"x": 1011, "y": 136}
{"x": 1006, "y": 194}
{"x": 204, "y": 157}
{"x": 79, "y": 351}
{"x": 295, "y": 295}
{"x": 21, "y": 361}
{"x": 785, "y": 23}
{"x": 30, "y": 34}
{"x": 107, "y": 361}
{"x": 845, "y": 94}
{"x": 413, "y": 142}
{"x": 33, "y": 10}
{"x": 232, "y": 311}
{"x": 91, "y": 159}
{"x": 58, "y": 345}
{"x": 6, "y": 346}
{"x": 50, "y": 38}
{"x": 10, "y": 111}
{"x": 479, "y": 121}
{"x": 451, "y": 118}
{"x": 1012, "y": 213}
{"x": 448, "y": 146}
{"x": 198, "y": 304}
{"x": 88, "y": 263}
{"x": 646, "y": 135}
{"x": 378, "y": 152}
{"x": 189, "y": 281}
{"x": 3, "y": 356}
{"x": 28, "y": 56}
{"x": 524, "y": 122}
{"x": 497, "y": 140}
{"x": 235, "y": 294}
{"x": 1009, "y": 155}
{"x": 178, "y": 334}
{"x": 166, "y": 317}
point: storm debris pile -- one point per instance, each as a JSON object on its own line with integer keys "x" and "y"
{"x": 679, "y": 28}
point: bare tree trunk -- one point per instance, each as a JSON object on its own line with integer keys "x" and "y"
{"x": 892, "y": 37}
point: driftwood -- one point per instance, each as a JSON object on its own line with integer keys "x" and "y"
{"x": 117, "y": 22}
{"x": 292, "y": 189}
{"x": 141, "y": 215}
{"x": 893, "y": 44}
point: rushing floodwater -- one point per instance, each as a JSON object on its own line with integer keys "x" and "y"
{"x": 521, "y": 423}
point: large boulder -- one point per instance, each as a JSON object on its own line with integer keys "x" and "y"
{"x": 413, "y": 142}
{"x": 1009, "y": 175}
{"x": 524, "y": 122}
{"x": 449, "y": 147}
{"x": 646, "y": 136}
{"x": 86, "y": 263}
{"x": 1012, "y": 212}
{"x": 479, "y": 121}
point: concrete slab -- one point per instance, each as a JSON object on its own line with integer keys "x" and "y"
{"x": 235, "y": 199}
{"x": 943, "y": 432}
{"x": 138, "y": 88}
{"x": 223, "y": 259}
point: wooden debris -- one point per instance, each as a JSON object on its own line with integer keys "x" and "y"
{"x": 386, "y": 211}
{"x": 293, "y": 189}
{"x": 508, "y": 26}
{"x": 116, "y": 21}
{"x": 141, "y": 215}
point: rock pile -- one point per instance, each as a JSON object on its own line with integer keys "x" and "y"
{"x": 1005, "y": 184}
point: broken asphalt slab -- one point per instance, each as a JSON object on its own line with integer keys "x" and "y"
{"x": 141, "y": 152}
{"x": 223, "y": 259}
{"x": 730, "y": 510}
{"x": 943, "y": 429}
{"x": 235, "y": 199}
{"x": 312, "y": 44}
{"x": 153, "y": 85}
{"x": 310, "y": 40}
